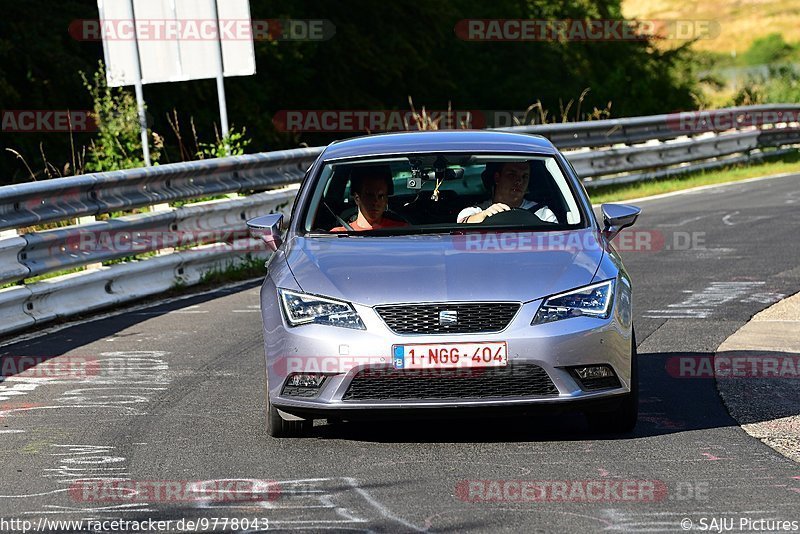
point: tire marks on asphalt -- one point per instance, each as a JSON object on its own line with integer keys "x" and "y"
{"x": 704, "y": 303}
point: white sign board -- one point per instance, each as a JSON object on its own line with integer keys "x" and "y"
{"x": 178, "y": 39}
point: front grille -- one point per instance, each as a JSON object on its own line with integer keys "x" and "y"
{"x": 299, "y": 391}
{"x": 424, "y": 318}
{"x": 432, "y": 384}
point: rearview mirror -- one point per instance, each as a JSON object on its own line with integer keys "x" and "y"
{"x": 616, "y": 217}
{"x": 268, "y": 229}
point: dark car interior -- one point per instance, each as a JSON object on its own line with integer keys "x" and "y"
{"x": 422, "y": 206}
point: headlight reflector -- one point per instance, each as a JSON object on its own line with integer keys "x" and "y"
{"x": 301, "y": 308}
{"x": 591, "y": 301}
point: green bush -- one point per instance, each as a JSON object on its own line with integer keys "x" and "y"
{"x": 769, "y": 49}
{"x": 233, "y": 144}
{"x": 781, "y": 85}
{"x": 118, "y": 144}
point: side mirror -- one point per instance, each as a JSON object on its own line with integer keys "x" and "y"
{"x": 268, "y": 229}
{"x": 616, "y": 217}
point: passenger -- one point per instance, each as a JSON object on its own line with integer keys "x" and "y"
{"x": 370, "y": 187}
{"x": 508, "y": 183}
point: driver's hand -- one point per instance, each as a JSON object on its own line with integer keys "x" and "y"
{"x": 495, "y": 208}
{"x": 488, "y": 212}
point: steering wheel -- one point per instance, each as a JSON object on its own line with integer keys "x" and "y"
{"x": 514, "y": 216}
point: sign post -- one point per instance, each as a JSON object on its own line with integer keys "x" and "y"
{"x": 140, "y": 93}
{"x": 223, "y": 107}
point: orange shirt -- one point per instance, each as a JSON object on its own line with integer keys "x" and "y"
{"x": 385, "y": 223}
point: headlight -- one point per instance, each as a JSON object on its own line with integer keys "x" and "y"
{"x": 305, "y": 309}
{"x": 589, "y": 301}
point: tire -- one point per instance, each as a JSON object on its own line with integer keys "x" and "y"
{"x": 624, "y": 418}
{"x": 278, "y": 427}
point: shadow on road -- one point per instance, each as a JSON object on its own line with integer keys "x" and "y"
{"x": 668, "y": 404}
{"x": 16, "y": 357}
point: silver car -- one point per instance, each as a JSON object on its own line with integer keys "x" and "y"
{"x": 446, "y": 273}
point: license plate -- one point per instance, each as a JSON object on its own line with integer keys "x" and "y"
{"x": 450, "y": 355}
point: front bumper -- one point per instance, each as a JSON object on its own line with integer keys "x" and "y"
{"x": 554, "y": 347}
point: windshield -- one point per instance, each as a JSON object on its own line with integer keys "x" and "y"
{"x": 429, "y": 193}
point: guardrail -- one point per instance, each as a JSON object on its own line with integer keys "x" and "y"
{"x": 93, "y": 194}
{"x": 631, "y": 130}
{"x": 195, "y": 239}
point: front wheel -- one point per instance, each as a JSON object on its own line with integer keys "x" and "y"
{"x": 278, "y": 427}
{"x": 624, "y": 418}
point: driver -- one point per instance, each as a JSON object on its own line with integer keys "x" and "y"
{"x": 508, "y": 183}
{"x": 370, "y": 188}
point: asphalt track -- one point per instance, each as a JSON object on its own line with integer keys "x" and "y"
{"x": 178, "y": 396}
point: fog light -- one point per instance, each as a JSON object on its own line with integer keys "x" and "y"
{"x": 306, "y": 385}
{"x": 305, "y": 380}
{"x": 593, "y": 377}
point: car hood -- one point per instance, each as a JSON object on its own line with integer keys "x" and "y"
{"x": 487, "y": 266}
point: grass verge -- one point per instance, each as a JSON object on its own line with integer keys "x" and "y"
{"x": 770, "y": 165}
{"x": 247, "y": 267}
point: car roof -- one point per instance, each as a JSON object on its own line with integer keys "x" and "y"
{"x": 438, "y": 141}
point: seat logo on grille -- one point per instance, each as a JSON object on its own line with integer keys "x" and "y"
{"x": 448, "y": 318}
